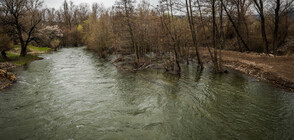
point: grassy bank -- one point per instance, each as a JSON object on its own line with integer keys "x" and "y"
{"x": 20, "y": 61}
{"x": 14, "y": 58}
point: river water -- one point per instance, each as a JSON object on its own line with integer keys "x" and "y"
{"x": 73, "y": 95}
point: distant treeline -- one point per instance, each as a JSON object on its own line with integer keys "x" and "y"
{"x": 173, "y": 30}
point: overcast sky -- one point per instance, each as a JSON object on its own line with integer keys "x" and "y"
{"x": 107, "y": 3}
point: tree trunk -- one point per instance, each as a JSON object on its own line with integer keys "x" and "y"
{"x": 235, "y": 27}
{"x": 222, "y": 39}
{"x": 203, "y": 28}
{"x": 239, "y": 27}
{"x": 23, "y": 51}
{"x": 193, "y": 32}
{"x": 276, "y": 29}
{"x": 177, "y": 60}
{"x": 134, "y": 44}
{"x": 214, "y": 36}
{"x": 4, "y": 56}
{"x": 260, "y": 9}
{"x": 175, "y": 40}
{"x": 264, "y": 37}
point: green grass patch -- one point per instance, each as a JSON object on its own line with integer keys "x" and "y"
{"x": 26, "y": 60}
{"x": 20, "y": 61}
{"x": 35, "y": 48}
{"x": 44, "y": 49}
{"x": 14, "y": 58}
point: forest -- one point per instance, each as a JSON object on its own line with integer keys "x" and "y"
{"x": 146, "y": 69}
{"x": 174, "y": 31}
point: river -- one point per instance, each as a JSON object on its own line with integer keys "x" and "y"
{"x": 73, "y": 95}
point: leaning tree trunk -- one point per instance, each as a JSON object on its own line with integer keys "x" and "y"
{"x": 235, "y": 26}
{"x": 192, "y": 29}
{"x": 203, "y": 28}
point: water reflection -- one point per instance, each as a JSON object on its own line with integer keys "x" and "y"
{"x": 73, "y": 95}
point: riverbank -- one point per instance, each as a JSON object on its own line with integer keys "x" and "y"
{"x": 277, "y": 70}
{"x": 74, "y": 89}
{"x": 7, "y": 78}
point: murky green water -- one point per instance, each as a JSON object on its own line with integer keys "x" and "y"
{"x": 73, "y": 95}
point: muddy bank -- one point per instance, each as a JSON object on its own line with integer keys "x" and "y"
{"x": 262, "y": 74}
{"x": 4, "y": 82}
{"x": 6, "y": 78}
{"x": 277, "y": 70}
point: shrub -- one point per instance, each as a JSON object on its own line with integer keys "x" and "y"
{"x": 5, "y": 44}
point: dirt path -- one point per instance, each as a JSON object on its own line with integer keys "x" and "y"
{"x": 277, "y": 70}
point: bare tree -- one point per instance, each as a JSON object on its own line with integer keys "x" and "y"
{"x": 203, "y": 28}
{"x": 259, "y": 4}
{"x": 282, "y": 8}
{"x": 241, "y": 7}
{"x": 24, "y": 16}
{"x": 234, "y": 25}
{"x": 169, "y": 26}
{"x": 127, "y": 8}
{"x": 192, "y": 29}
{"x": 213, "y": 7}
